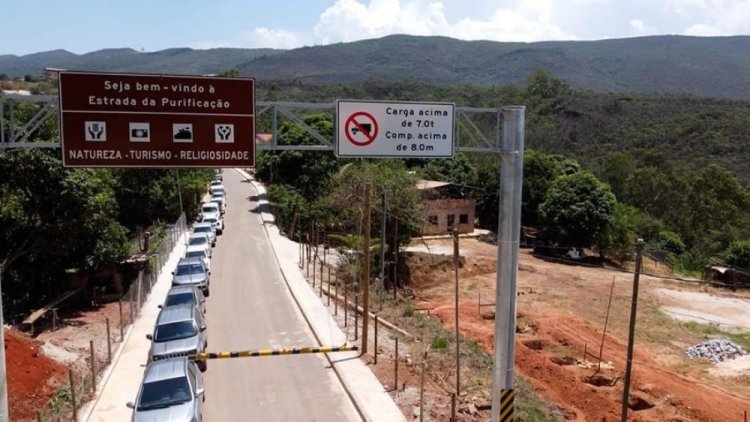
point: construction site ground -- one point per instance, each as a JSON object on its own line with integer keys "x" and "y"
{"x": 561, "y": 315}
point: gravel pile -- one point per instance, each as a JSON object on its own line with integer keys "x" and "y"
{"x": 715, "y": 350}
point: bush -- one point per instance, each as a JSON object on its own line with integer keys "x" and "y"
{"x": 738, "y": 254}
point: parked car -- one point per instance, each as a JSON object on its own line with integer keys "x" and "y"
{"x": 171, "y": 390}
{"x": 217, "y": 189}
{"x": 221, "y": 201}
{"x": 185, "y": 295}
{"x": 199, "y": 251}
{"x": 208, "y": 229}
{"x": 217, "y": 222}
{"x": 200, "y": 239}
{"x": 192, "y": 272}
{"x": 211, "y": 209}
{"x": 179, "y": 331}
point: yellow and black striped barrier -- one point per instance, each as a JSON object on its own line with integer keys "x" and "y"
{"x": 506, "y": 404}
{"x": 273, "y": 352}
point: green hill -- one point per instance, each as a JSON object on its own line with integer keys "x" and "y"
{"x": 701, "y": 66}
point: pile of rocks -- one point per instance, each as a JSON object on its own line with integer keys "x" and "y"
{"x": 715, "y": 350}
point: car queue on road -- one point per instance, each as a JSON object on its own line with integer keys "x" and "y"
{"x": 172, "y": 386}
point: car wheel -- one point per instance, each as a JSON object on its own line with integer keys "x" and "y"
{"x": 207, "y": 294}
{"x": 203, "y": 365}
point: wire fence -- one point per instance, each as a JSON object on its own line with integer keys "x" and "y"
{"x": 105, "y": 337}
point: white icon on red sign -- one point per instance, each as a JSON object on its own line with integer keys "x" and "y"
{"x": 95, "y": 131}
{"x": 182, "y": 132}
{"x": 224, "y": 133}
{"x": 140, "y": 132}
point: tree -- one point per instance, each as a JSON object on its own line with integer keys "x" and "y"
{"x": 578, "y": 209}
{"x": 738, "y": 254}
{"x": 458, "y": 170}
{"x": 230, "y": 73}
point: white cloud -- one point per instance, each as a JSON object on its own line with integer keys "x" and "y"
{"x": 712, "y": 17}
{"x": 638, "y": 25}
{"x": 274, "y": 38}
{"x": 349, "y": 20}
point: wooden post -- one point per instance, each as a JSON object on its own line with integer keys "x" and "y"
{"x": 38, "y": 416}
{"x": 395, "y": 370}
{"x": 336, "y": 301}
{"x": 315, "y": 256}
{"x": 329, "y": 287}
{"x": 93, "y": 366}
{"x": 122, "y": 330}
{"x": 375, "y": 352}
{"x": 606, "y": 321}
{"x": 320, "y": 294}
{"x": 109, "y": 344}
{"x": 72, "y": 394}
{"x": 54, "y": 319}
{"x": 584, "y": 352}
{"x": 356, "y": 317}
{"x": 346, "y": 305}
{"x": 421, "y": 388}
{"x": 366, "y": 273}
{"x": 453, "y": 408}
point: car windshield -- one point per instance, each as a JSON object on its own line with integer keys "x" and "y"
{"x": 175, "y": 331}
{"x": 209, "y": 220}
{"x": 210, "y": 208}
{"x": 188, "y": 269}
{"x": 203, "y": 229}
{"x": 164, "y": 393}
{"x": 180, "y": 299}
{"x": 196, "y": 254}
{"x": 198, "y": 240}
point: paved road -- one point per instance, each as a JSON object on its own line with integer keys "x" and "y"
{"x": 250, "y": 307}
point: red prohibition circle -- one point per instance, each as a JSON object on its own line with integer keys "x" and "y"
{"x": 369, "y": 134}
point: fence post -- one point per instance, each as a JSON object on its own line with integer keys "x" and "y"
{"x": 346, "y": 306}
{"x": 395, "y": 370}
{"x": 336, "y": 300}
{"x": 321, "y": 280}
{"x": 421, "y": 388}
{"x": 356, "y": 316}
{"x": 122, "y": 330}
{"x": 375, "y": 352}
{"x": 93, "y": 366}
{"x": 72, "y": 394}
{"x": 453, "y": 408}
{"x": 109, "y": 344}
{"x": 54, "y": 319}
{"x": 329, "y": 287}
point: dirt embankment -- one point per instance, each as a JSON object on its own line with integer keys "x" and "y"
{"x": 33, "y": 378}
{"x": 555, "y": 329}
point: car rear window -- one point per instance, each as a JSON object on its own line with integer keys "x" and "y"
{"x": 180, "y": 299}
{"x": 187, "y": 269}
{"x": 175, "y": 331}
{"x": 204, "y": 229}
{"x": 196, "y": 254}
{"x": 164, "y": 393}
{"x": 198, "y": 240}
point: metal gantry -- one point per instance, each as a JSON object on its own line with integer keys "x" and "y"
{"x": 477, "y": 129}
{"x": 484, "y": 130}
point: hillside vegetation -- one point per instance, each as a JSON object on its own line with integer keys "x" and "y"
{"x": 702, "y": 66}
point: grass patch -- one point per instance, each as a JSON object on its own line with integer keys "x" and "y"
{"x": 713, "y": 330}
{"x": 562, "y": 350}
{"x": 440, "y": 343}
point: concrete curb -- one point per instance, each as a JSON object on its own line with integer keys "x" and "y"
{"x": 365, "y": 390}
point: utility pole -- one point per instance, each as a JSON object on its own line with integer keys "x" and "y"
{"x": 381, "y": 280}
{"x": 631, "y": 330}
{"x": 458, "y": 348}
{"x": 508, "y": 233}
{"x": 4, "y": 414}
{"x": 366, "y": 272}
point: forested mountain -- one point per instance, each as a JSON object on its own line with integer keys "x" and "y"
{"x": 701, "y": 66}
{"x": 173, "y": 60}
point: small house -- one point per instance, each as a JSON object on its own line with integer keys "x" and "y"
{"x": 443, "y": 209}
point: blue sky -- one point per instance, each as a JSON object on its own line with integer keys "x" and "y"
{"x": 82, "y": 26}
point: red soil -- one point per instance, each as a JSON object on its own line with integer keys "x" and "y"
{"x": 32, "y": 377}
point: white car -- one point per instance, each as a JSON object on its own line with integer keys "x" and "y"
{"x": 211, "y": 209}
{"x": 198, "y": 251}
{"x": 218, "y": 223}
{"x": 221, "y": 201}
{"x": 200, "y": 239}
{"x": 207, "y": 228}
{"x": 217, "y": 189}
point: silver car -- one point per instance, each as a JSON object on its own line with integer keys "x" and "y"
{"x": 192, "y": 272}
{"x": 208, "y": 229}
{"x": 172, "y": 390}
{"x": 185, "y": 295}
{"x": 179, "y": 331}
